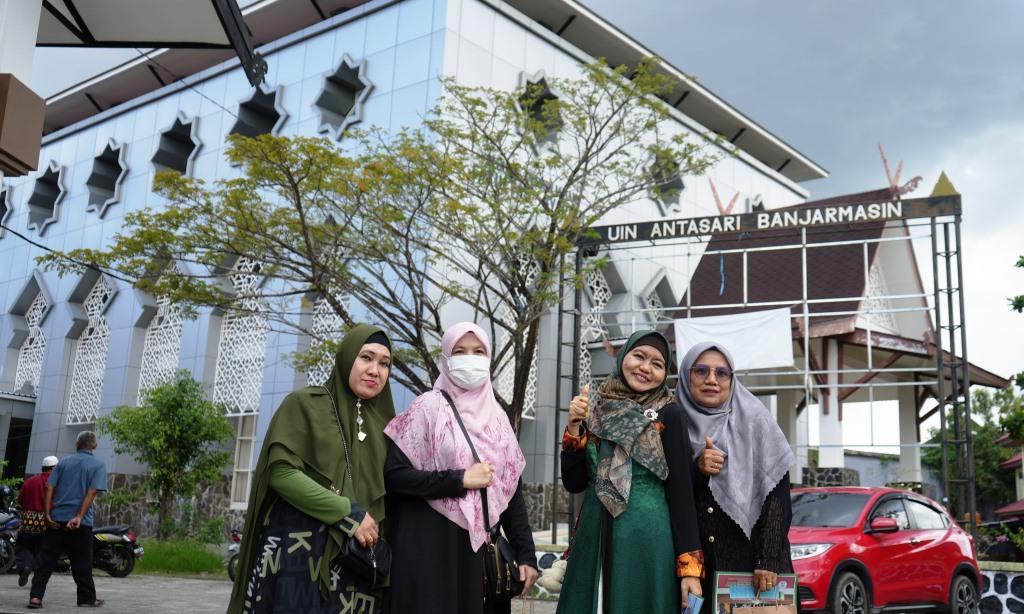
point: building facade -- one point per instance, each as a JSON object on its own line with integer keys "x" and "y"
{"x": 77, "y": 347}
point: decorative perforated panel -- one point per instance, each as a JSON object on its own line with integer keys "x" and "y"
{"x": 592, "y": 328}
{"x": 653, "y": 301}
{"x": 162, "y": 347}
{"x": 30, "y": 355}
{"x": 90, "y": 357}
{"x": 505, "y": 380}
{"x": 326, "y": 325}
{"x": 876, "y": 302}
{"x": 243, "y": 342}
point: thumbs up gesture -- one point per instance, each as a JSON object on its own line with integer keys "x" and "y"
{"x": 712, "y": 460}
{"x": 579, "y": 410}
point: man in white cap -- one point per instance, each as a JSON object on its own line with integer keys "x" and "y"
{"x": 32, "y": 499}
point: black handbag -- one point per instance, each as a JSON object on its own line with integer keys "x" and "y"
{"x": 500, "y": 570}
{"x": 371, "y": 564}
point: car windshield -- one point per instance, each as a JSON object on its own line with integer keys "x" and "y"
{"x": 827, "y": 509}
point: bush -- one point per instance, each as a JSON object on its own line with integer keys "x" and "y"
{"x": 180, "y": 557}
{"x": 212, "y": 532}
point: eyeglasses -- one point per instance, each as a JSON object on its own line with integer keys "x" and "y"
{"x": 703, "y": 371}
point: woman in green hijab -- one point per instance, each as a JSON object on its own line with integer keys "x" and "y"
{"x": 636, "y": 547}
{"x": 306, "y": 500}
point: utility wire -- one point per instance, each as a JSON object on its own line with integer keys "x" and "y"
{"x": 106, "y": 271}
{"x": 184, "y": 80}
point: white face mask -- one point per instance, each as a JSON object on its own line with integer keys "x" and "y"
{"x": 469, "y": 372}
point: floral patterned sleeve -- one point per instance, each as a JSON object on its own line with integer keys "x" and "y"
{"x": 574, "y": 443}
{"x": 690, "y": 564}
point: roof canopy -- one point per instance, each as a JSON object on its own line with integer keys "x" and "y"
{"x": 192, "y": 24}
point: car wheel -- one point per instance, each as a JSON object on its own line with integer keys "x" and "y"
{"x": 850, "y": 595}
{"x": 963, "y": 597}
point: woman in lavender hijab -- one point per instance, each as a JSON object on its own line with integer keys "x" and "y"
{"x": 434, "y": 487}
{"x": 741, "y": 462}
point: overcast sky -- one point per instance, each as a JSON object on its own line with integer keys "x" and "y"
{"x": 940, "y": 83}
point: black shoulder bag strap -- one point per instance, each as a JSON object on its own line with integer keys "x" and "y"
{"x": 483, "y": 491}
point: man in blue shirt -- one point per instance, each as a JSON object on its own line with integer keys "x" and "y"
{"x": 70, "y": 491}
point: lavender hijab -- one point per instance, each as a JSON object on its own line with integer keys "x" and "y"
{"x": 757, "y": 453}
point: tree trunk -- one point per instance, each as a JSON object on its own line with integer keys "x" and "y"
{"x": 166, "y": 500}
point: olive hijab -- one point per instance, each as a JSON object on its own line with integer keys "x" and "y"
{"x": 628, "y": 419}
{"x": 304, "y": 434}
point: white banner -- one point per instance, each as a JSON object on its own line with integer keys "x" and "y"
{"x": 756, "y": 340}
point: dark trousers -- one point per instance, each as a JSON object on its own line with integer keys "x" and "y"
{"x": 27, "y": 550}
{"x": 78, "y": 545}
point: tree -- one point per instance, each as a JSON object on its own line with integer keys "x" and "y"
{"x": 483, "y": 205}
{"x": 178, "y": 434}
{"x": 990, "y": 411}
{"x": 1017, "y": 302}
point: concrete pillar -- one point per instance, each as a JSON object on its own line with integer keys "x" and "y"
{"x": 830, "y": 428}
{"x": 785, "y": 404}
{"x": 19, "y": 24}
{"x": 910, "y": 457}
{"x": 5, "y": 427}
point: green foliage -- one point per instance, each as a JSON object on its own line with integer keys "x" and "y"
{"x": 484, "y": 204}
{"x": 14, "y": 482}
{"x": 1011, "y": 408}
{"x": 177, "y": 433}
{"x": 990, "y": 412}
{"x": 118, "y": 498}
{"x": 1017, "y": 302}
{"x": 180, "y": 557}
{"x": 210, "y": 531}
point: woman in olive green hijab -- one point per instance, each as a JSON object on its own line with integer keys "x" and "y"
{"x": 306, "y": 501}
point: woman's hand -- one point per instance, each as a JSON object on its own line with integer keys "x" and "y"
{"x": 711, "y": 461}
{"x": 687, "y": 585}
{"x": 764, "y": 580}
{"x": 579, "y": 410}
{"x": 478, "y": 476}
{"x": 366, "y": 533}
{"x": 527, "y": 575}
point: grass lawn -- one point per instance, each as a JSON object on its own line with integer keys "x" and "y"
{"x": 180, "y": 558}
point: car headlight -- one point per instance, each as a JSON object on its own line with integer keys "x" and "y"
{"x": 805, "y": 551}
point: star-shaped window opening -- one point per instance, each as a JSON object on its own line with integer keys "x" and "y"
{"x": 47, "y": 194}
{"x": 108, "y": 173}
{"x": 260, "y": 114}
{"x": 178, "y": 147}
{"x": 340, "y": 103}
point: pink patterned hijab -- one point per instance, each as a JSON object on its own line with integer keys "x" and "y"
{"x": 431, "y": 438}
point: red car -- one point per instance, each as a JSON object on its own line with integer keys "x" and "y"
{"x": 861, "y": 550}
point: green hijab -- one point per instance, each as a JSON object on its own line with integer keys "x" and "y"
{"x": 304, "y": 434}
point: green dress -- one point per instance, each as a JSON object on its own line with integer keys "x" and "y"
{"x": 641, "y": 557}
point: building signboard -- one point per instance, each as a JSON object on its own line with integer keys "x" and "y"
{"x": 789, "y": 218}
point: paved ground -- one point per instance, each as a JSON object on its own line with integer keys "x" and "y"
{"x": 153, "y": 595}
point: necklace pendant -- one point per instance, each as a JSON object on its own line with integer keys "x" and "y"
{"x": 362, "y": 436}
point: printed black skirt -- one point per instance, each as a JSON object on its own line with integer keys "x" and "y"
{"x": 286, "y": 569}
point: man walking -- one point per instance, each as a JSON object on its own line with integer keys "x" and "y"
{"x": 32, "y": 499}
{"x": 70, "y": 491}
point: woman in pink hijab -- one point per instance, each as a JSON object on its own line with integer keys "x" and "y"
{"x": 434, "y": 487}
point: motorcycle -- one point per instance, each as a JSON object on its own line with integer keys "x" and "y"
{"x": 114, "y": 550}
{"x": 9, "y": 523}
{"x": 233, "y": 551}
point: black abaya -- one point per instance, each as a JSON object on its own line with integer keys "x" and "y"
{"x": 434, "y": 570}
